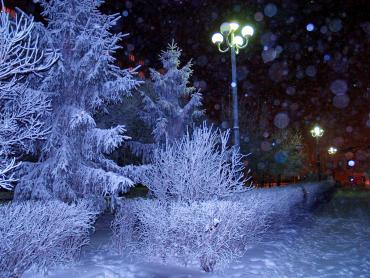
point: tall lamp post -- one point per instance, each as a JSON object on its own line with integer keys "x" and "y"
{"x": 317, "y": 132}
{"x": 332, "y": 151}
{"x": 233, "y": 43}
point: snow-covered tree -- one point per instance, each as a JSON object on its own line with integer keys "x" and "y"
{"x": 170, "y": 104}
{"x": 200, "y": 166}
{"x": 21, "y": 109}
{"x": 73, "y": 160}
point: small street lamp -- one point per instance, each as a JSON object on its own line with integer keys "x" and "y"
{"x": 233, "y": 43}
{"x": 332, "y": 151}
{"x": 317, "y": 132}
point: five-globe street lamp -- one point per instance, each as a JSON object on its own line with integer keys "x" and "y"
{"x": 317, "y": 132}
{"x": 228, "y": 39}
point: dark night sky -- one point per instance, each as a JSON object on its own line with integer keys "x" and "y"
{"x": 320, "y": 76}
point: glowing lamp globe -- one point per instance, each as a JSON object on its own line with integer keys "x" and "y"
{"x": 238, "y": 40}
{"x": 247, "y": 31}
{"x": 317, "y": 132}
{"x": 332, "y": 150}
{"x": 234, "y": 26}
{"x": 217, "y": 38}
{"x": 225, "y": 28}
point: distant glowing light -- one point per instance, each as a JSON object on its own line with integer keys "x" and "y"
{"x": 281, "y": 120}
{"x": 317, "y": 131}
{"x": 270, "y": 10}
{"x": 332, "y": 150}
{"x": 339, "y": 87}
{"x": 351, "y": 163}
{"x": 310, "y": 27}
{"x": 327, "y": 57}
{"x": 233, "y": 84}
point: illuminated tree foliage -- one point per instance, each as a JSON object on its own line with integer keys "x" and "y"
{"x": 85, "y": 80}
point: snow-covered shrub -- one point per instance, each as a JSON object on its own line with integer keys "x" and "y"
{"x": 73, "y": 161}
{"x": 207, "y": 233}
{"x": 314, "y": 191}
{"x": 42, "y": 234}
{"x": 21, "y": 109}
{"x": 200, "y": 166}
{"x": 281, "y": 204}
{"x": 194, "y": 216}
{"x": 275, "y": 203}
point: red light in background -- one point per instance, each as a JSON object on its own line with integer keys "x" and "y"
{"x": 9, "y": 11}
{"x": 131, "y": 58}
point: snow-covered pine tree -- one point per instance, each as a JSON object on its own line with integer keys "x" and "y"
{"x": 170, "y": 104}
{"x": 73, "y": 162}
{"x": 21, "y": 109}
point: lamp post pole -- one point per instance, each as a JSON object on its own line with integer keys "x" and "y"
{"x": 233, "y": 43}
{"x": 317, "y": 132}
{"x": 318, "y": 159}
{"x": 234, "y": 94}
{"x": 332, "y": 151}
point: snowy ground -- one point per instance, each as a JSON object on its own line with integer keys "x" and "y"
{"x": 331, "y": 242}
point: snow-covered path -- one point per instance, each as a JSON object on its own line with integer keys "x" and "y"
{"x": 331, "y": 242}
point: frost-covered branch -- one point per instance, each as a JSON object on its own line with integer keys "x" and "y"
{"x": 198, "y": 167}
{"x": 21, "y": 109}
{"x": 19, "y": 51}
{"x": 74, "y": 160}
{"x": 42, "y": 234}
{"x": 6, "y": 175}
{"x": 170, "y": 103}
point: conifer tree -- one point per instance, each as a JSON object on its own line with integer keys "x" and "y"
{"x": 73, "y": 160}
{"x": 171, "y": 104}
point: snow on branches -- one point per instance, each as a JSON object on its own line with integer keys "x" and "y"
{"x": 192, "y": 216}
{"x": 21, "y": 109}
{"x": 170, "y": 104}
{"x": 165, "y": 112}
{"x": 73, "y": 161}
{"x": 209, "y": 234}
{"x": 200, "y": 166}
{"x": 42, "y": 234}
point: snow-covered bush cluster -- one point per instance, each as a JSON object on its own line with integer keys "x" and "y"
{"x": 280, "y": 204}
{"x": 21, "y": 108}
{"x": 208, "y": 233}
{"x": 190, "y": 219}
{"x": 42, "y": 234}
{"x": 199, "y": 166}
{"x": 275, "y": 205}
